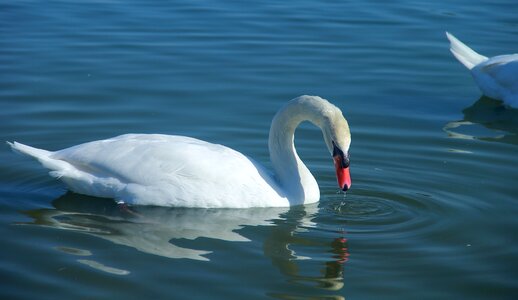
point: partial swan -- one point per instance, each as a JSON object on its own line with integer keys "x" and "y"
{"x": 497, "y": 77}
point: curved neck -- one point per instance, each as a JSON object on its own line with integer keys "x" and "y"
{"x": 293, "y": 176}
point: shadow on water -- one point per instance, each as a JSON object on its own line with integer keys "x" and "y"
{"x": 160, "y": 230}
{"x": 487, "y": 120}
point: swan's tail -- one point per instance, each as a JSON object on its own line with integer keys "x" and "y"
{"x": 57, "y": 167}
{"x": 463, "y": 53}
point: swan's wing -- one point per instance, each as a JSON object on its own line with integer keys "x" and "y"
{"x": 158, "y": 168}
{"x": 142, "y": 159}
{"x": 504, "y": 70}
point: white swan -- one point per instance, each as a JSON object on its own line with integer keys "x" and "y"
{"x": 166, "y": 170}
{"x": 497, "y": 77}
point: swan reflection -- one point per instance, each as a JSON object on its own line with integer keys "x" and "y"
{"x": 152, "y": 230}
{"x": 320, "y": 272}
{"x": 488, "y": 120}
{"x": 303, "y": 253}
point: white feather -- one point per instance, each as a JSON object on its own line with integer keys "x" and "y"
{"x": 497, "y": 77}
{"x": 463, "y": 53}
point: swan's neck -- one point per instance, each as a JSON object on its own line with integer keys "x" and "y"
{"x": 293, "y": 176}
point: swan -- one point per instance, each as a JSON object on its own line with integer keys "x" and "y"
{"x": 179, "y": 171}
{"x": 497, "y": 77}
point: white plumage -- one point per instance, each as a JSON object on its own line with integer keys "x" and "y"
{"x": 497, "y": 77}
{"x": 153, "y": 169}
{"x": 166, "y": 170}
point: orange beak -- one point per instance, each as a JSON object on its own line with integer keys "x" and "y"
{"x": 342, "y": 174}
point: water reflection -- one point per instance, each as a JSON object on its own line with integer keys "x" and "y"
{"x": 325, "y": 275}
{"x": 289, "y": 242}
{"x": 153, "y": 230}
{"x": 488, "y": 120}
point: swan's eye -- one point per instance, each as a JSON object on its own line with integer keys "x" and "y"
{"x": 345, "y": 161}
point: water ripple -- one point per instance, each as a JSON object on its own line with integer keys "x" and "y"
{"x": 383, "y": 212}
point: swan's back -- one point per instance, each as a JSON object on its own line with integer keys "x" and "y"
{"x": 141, "y": 158}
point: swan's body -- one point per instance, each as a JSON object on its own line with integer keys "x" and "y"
{"x": 497, "y": 77}
{"x": 165, "y": 170}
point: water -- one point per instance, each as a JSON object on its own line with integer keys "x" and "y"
{"x": 432, "y": 210}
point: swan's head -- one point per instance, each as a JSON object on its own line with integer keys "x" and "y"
{"x": 338, "y": 139}
{"x": 336, "y": 134}
{"x": 324, "y": 115}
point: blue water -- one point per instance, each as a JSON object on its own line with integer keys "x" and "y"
{"x": 432, "y": 210}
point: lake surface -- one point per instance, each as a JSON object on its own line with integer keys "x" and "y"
{"x": 432, "y": 213}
